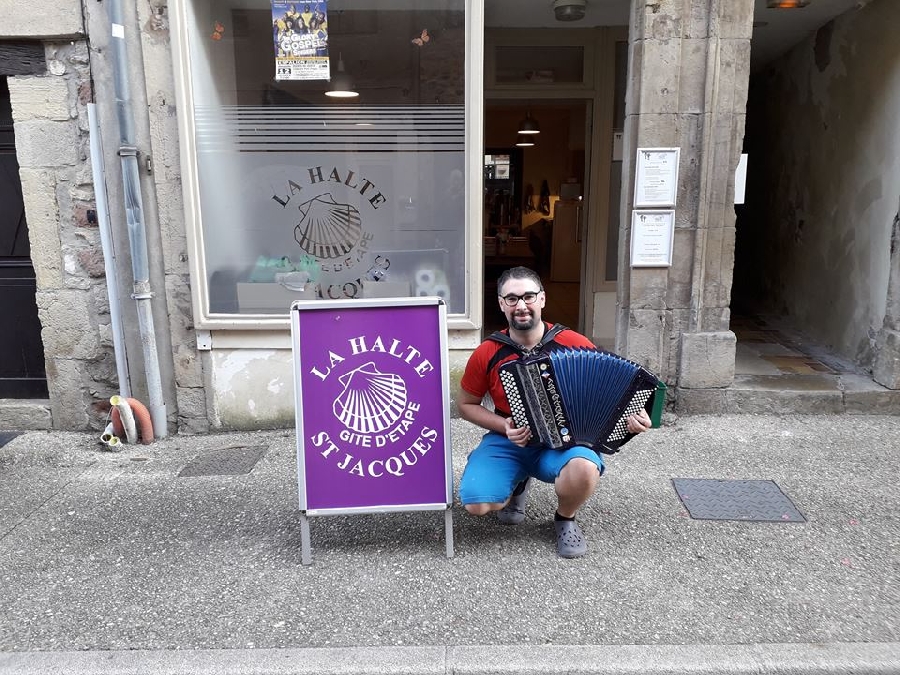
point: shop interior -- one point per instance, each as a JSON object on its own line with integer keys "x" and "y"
{"x": 534, "y": 200}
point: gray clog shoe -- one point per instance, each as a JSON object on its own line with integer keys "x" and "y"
{"x": 570, "y": 541}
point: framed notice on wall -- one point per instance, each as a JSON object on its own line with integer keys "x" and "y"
{"x": 656, "y": 179}
{"x": 652, "y": 238}
{"x": 372, "y": 408}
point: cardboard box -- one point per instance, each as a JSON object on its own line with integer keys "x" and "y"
{"x": 385, "y": 289}
{"x": 263, "y": 298}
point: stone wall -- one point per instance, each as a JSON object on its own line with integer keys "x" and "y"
{"x": 52, "y": 144}
{"x": 688, "y": 68}
{"x": 818, "y": 246}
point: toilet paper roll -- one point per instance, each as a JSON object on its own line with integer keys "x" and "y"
{"x": 422, "y": 292}
{"x": 441, "y": 290}
{"x": 425, "y": 278}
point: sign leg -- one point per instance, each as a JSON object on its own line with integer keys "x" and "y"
{"x": 305, "y": 555}
{"x": 448, "y": 531}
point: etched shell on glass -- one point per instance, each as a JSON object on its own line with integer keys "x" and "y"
{"x": 328, "y": 229}
{"x": 372, "y": 401}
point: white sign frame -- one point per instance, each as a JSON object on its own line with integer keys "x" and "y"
{"x": 656, "y": 178}
{"x": 652, "y": 237}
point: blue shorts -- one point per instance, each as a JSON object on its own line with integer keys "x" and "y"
{"x": 497, "y": 465}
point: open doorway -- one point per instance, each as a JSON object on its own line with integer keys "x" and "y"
{"x": 534, "y": 201}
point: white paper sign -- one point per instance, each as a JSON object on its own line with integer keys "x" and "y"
{"x": 740, "y": 180}
{"x": 656, "y": 181}
{"x": 651, "y": 238}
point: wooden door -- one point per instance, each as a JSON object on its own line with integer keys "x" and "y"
{"x": 22, "y": 372}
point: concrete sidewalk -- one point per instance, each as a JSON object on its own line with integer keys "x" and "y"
{"x": 115, "y": 557}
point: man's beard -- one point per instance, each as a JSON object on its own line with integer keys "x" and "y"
{"x": 522, "y": 321}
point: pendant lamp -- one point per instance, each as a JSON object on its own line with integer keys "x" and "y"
{"x": 341, "y": 83}
{"x": 529, "y": 125}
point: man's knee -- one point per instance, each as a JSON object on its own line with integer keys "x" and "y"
{"x": 581, "y": 470}
{"x": 482, "y": 509}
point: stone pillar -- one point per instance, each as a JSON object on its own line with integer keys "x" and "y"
{"x": 886, "y": 370}
{"x": 689, "y": 69}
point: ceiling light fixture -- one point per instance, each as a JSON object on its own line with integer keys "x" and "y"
{"x": 341, "y": 83}
{"x": 525, "y": 142}
{"x": 529, "y": 125}
{"x": 569, "y": 10}
{"x": 786, "y": 4}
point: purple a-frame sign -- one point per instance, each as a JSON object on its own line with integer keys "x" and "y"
{"x": 372, "y": 408}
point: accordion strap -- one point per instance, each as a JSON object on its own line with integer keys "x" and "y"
{"x": 510, "y": 346}
{"x": 549, "y": 334}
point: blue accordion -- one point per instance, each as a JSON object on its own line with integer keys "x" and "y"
{"x": 583, "y": 397}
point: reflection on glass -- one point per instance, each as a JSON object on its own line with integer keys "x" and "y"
{"x": 305, "y": 197}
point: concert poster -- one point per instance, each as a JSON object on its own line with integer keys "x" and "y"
{"x": 372, "y": 405}
{"x": 300, "y": 36}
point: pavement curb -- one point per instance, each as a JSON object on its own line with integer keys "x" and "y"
{"x": 852, "y": 658}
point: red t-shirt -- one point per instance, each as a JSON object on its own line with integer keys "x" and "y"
{"x": 478, "y": 381}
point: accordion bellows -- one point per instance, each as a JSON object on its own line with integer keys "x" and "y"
{"x": 578, "y": 397}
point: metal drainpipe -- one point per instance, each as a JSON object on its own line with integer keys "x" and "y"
{"x": 134, "y": 214}
{"x": 109, "y": 253}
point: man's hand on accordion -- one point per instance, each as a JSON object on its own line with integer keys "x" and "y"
{"x": 519, "y": 436}
{"x": 638, "y": 422}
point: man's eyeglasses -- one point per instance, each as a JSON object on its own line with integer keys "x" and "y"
{"x": 512, "y": 299}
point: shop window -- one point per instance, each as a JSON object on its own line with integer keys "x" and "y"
{"x": 299, "y": 195}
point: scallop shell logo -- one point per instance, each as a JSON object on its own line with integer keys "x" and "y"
{"x": 328, "y": 229}
{"x": 372, "y": 401}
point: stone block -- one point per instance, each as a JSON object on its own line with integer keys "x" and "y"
{"x": 42, "y": 212}
{"x": 719, "y": 265}
{"x": 649, "y": 288}
{"x": 661, "y": 18}
{"x": 66, "y": 324}
{"x": 39, "y": 98}
{"x": 739, "y": 52}
{"x": 46, "y": 143}
{"x": 659, "y": 75}
{"x": 656, "y": 130}
{"x": 886, "y": 370}
{"x": 700, "y": 401}
{"x": 25, "y": 415}
{"x": 45, "y": 19}
{"x": 732, "y": 19}
{"x": 192, "y": 416}
{"x": 707, "y": 360}
{"x": 873, "y": 402}
{"x": 714, "y": 318}
{"x": 692, "y": 83}
{"x": 780, "y": 402}
{"x": 68, "y": 395}
{"x": 678, "y": 293}
{"x": 186, "y": 364}
{"x": 647, "y": 343}
{"x": 697, "y": 23}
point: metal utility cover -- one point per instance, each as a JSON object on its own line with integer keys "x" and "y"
{"x": 755, "y": 500}
{"x": 7, "y": 436}
{"x": 231, "y": 461}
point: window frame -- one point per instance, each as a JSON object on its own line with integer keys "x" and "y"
{"x": 467, "y": 322}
